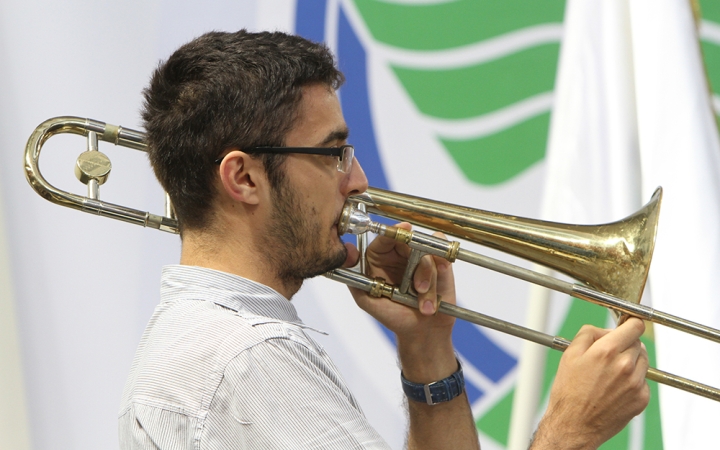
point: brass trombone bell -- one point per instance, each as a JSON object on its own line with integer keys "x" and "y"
{"x": 610, "y": 261}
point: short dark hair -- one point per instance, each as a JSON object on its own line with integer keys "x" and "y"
{"x": 220, "y": 91}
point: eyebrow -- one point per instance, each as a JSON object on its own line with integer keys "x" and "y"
{"x": 338, "y": 135}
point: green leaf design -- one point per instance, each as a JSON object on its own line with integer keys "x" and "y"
{"x": 711, "y": 56}
{"x": 496, "y": 423}
{"x": 453, "y": 24}
{"x": 481, "y": 88}
{"x": 498, "y": 157}
{"x": 710, "y": 10}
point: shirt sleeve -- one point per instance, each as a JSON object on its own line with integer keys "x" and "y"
{"x": 286, "y": 393}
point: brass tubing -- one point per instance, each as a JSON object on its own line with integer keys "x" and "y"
{"x": 646, "y": 313}
{"x": 418, "y": 241}
{"x": 105, "y": 132}
{"x": 613, "y": 257}
{"x": 686, "y": 325}
{"x": 515, "y": 271}
{"x": 683, "y": 384}
{"x": 359, "y": 281}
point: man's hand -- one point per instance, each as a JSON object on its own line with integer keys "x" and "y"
{"x": 433, "y": 280}
{"x": 424, "y": 340}
{"x": 600, "y": 385}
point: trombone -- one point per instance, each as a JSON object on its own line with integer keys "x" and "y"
{"x": 610, "y": 261}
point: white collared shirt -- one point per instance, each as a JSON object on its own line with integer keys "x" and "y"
{"x": 225, "y": 363}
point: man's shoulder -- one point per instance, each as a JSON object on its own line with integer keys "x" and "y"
{"x": 185, "y": 349}
{"x": 208, "y": 324}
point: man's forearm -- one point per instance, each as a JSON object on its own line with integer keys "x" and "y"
{"x": 445, "y": 425}
{"x": 556, "y": 435}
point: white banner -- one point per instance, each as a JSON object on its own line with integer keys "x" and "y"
{"x": 437, "y": 107}
{"x": 593, "y": 173}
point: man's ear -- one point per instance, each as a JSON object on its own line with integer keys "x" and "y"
{"x": 239, "y": 174}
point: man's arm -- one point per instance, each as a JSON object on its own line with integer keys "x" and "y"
{"x": 426, "y": 358}
{"x": 600, "y": 383}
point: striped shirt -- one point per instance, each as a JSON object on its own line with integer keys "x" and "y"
{"x": 225, "y": 363}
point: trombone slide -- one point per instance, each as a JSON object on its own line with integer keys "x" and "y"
{"x": 378, "y": 288}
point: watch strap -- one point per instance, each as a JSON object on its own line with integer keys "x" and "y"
{"x": 436, "y": 392}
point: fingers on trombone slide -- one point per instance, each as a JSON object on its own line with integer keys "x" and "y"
{"x": 602, "y": 375}
{"x": 433, "y": 279}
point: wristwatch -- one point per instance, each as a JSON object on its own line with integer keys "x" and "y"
{"x": 436, "y": 392}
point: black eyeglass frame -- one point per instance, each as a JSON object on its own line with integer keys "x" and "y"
{"x": 326, "y": 151}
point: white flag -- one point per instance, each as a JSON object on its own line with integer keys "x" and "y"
{"x": 592, "y": 167}
{"x": 680, "y": 150}
{"x": 632, "y": 112}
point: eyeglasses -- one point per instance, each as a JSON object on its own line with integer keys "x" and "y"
{"x": 344, "y": 153}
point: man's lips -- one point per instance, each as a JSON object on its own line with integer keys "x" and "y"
{"x": 336, "y": 224}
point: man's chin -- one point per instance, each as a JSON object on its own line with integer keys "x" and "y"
{"x": 340, "y": 258}
{"x": 328, "y": 263}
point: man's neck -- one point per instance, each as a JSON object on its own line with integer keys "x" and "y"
{"x": 231, "y": 255}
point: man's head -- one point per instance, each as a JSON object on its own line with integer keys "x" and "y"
{"x": 226, "y": 91}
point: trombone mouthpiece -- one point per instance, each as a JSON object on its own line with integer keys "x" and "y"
{"x": 354, "y": 221}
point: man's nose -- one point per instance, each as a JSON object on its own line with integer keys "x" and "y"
{"x": 357, "y": 182}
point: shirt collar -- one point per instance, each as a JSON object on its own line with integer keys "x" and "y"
{"x": 180, "y": 282}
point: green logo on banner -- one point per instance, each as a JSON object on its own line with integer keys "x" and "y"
{"x": 502, "y": 83}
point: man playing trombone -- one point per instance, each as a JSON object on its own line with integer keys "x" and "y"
{"x": 246, "y": 134}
